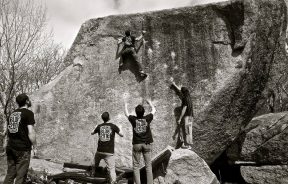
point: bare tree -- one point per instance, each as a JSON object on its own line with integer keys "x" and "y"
{"x": 45, "y": 66}
{"x": 28, "y": 56}
{"x": 22, "y": 26}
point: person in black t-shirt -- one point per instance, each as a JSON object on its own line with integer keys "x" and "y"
{"x": 105, "y": 149}
{"x": 142, "y": 139}
{"x": 185, "y": 120}
{"x": 129, "y": 49}
{"x": 21, "y": 138}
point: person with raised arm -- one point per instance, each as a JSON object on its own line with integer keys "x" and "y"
{"x": 186, "y": 117}
{"x": 142, "y": 139}
{"x": 129, "y": 48}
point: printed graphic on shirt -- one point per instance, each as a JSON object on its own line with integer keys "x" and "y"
{"x": 14, "y": 121}
{"x": 105, "y": 133}
{"x": 141, "y": 126}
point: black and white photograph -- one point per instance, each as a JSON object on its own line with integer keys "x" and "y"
{"x": 143, "y": 92}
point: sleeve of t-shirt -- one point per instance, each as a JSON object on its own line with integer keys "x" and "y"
{"x": 185, "y": 103}
{"x": 30, "y": 119}
{"x": 116, "y": 129}
{"x": 149, "y": 118}
{"x": 97, "y": 129}
{"x": 131, "y": 118}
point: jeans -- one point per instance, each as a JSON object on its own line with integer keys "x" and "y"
{"x": 144, "y": 149}
{"x": 18, "y": 165}
{"x": 110, "y": 162}
{"x": 186, "y": 130}
{"x": 188, "y": 137}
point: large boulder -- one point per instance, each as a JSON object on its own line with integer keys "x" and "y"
{"x": 222, "y": 52}
{"x": 186, "y": 166}
{"x": 270, "y": 174}
{"x": 265, "y": 140}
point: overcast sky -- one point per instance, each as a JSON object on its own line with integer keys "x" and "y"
{"x": 66, "y": 16}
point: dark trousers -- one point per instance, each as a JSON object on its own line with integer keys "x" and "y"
{"x": 132, "y": 52}
{"x": 18, "y": 164}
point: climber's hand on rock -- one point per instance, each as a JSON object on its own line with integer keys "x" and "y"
{"x": 125, "y": 97}
{"x": 143, "y": 32}
{"x": 119, "y": 41}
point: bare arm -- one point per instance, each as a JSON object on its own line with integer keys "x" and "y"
{"x": 182, "y": 114}
{"x": 120, "y": 134}
{"x": 126, "y": 109}
{"x": 152, "y": 107}
{"x": 32, "y": 134}
{"x": 141, "y": 36}
{"x": 177, "y": 87}
{"x": 119, "y": 41}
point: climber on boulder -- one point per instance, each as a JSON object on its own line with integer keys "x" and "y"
{"x": 129, "y": 49}
{"x": 185, "y": 121}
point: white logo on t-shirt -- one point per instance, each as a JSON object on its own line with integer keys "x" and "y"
{"x": 14, "y": 122}
{"x": 141, "y": 126}
{"x": 105, "y": 133}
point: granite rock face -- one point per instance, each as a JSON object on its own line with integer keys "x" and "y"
{"x": 222, "y": 52}
{"x": 277, "y": 174}
{"x": 186, "y": 166}
{"x": 265, "y": 140}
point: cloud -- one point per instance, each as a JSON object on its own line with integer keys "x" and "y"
{"x": 66, "y": 16}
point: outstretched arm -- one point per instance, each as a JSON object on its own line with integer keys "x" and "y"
{"x": 126, "y": 109}
{"x": 120, "y": 134}
{"x": 178, "y": 88}
{"x": 120, "y": 40}
{"x": 152, "y": 107}
{"x": 141, "y": 36}
{"x": 96, "y": 129}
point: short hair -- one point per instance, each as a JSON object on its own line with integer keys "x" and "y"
{"x": 105, "y": 116}
{"x": 21, "y": 99}
{"x": 127, "y": 32}
{"x": 140, "y": 111}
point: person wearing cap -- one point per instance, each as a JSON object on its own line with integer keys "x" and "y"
{"x": 105, "y": 150}
{"x": 21, "y": 140}
{"x": 185, "y": 120}
{"x": 129, "y": 49}
{"x": 142, "y": 140}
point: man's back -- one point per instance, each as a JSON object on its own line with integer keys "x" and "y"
{"x": 19, "y": 120}
{"x": 106, "y": 132}
{"x": 141, "y": 129}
